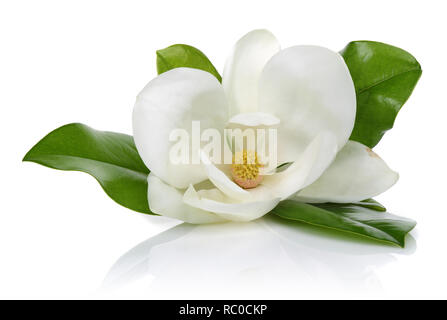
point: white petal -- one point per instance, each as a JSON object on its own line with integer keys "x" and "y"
{"x": 356, "y": 174}
{"x": 309, "y": 89}
{"x": 222, "y": 180}
{"x": 243, "y": 68}
{"x": 214, "y": 200}
{"x": 306, "y": 169}
{"x": 254, "y": 119}
{"x": 168, "y": 201}
{"x": 172, "y": 101}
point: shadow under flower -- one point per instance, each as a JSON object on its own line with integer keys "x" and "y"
{"x": 266, "y": 258}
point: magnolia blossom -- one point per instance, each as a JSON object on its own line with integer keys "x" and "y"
{"x": 305, "y": 92}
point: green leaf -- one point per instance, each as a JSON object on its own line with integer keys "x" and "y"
{"x": 349, "y": 218}
{"x": 384, "y": 77}
{"x": 370, "y": 204}
{"x": 111, "y": 158}
{"x": 182, "y": 55}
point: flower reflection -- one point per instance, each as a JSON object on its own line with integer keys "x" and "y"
{"x": 266, "y": 258}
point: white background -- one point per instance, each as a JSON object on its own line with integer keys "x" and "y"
{"x": 85, "y": 61}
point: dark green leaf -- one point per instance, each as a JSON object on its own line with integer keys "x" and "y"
{"x": 370, "y": 204}
{"x": 384, "y": 77}
{"x": 111, "y": 158}
{"x": 350, "y": 218}
{"x": 182, "y": 55}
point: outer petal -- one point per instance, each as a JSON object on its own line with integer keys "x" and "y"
{"x": 213, "y": 200}
{"x": 309, "y": 166}
{"x": 243, "y": 68}
{"x": 168, "y": 201}
{"x": 356, "y": 174}
{"x": 309, "y": 89}
{"x": 172, "y": 101}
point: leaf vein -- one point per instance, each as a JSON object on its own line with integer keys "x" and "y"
{"x": 387, "y": 78}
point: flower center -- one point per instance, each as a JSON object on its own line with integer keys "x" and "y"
{"x": 245, "y": 169}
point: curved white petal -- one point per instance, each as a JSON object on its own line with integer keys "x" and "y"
{"x": 168, "y": 201}
{"x": 214, "y": 200}
{"x": 222, "y": 181}
{"x": 306, "y": 169}
{"x": 309, "y": 89}
{"x": 243, "y": 68}
{"x": 254, "y": 119}
{"x": 356, "y": 174}
{"x": 172, "y": 101}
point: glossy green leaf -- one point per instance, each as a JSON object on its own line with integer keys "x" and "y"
{"x": 111, "y": 158}
{"x": 370, "y": 204}
{"x": 349, "y": 218}
{"x": 384, "y": 77}
{"x": 182, "y": 55}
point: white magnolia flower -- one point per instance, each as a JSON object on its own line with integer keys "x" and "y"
{"x": 306, "y": 92}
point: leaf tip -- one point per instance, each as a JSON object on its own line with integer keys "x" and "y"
{"x": 26, "y": 157}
